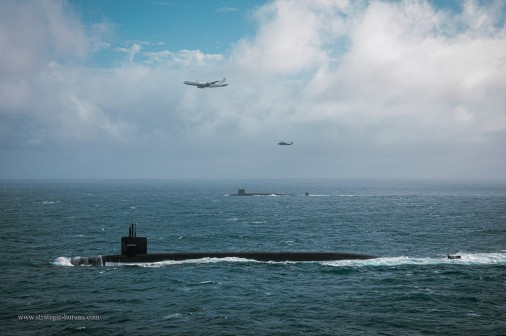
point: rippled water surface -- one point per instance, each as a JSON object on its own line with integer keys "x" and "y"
{"x": 411, "y": 289}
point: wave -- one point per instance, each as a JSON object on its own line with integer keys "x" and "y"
{"x": 78, "y": 261}
{"x": 62, "y": 261}
{"x": 498, "y": 258}
{"x": 166, "y": 263}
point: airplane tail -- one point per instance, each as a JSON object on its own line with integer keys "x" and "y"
{"x": 218, "y": 84}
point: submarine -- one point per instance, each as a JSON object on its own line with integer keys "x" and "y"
{"x": 242, "y": 192}
{"x": 134, "y": 250}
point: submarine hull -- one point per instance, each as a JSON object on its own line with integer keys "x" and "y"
{"x": 258, "y": 256}
{"x": 134, "y": 251}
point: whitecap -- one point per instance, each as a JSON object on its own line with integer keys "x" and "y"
{"x": 62, "y": 261}
{"x": 172, "y": 316}
{"x": 167, "y": 263}
{"x": 465, "y": 259}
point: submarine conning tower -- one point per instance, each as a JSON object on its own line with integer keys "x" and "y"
{"x": 133, "y": 245}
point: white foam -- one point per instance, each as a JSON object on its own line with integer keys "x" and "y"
{"x": 498, "y": 258}
{"x": 166, "y": 263}
{"x": 78, "y": 261}
{"x": 62, "y": 261}
{"x": 172, "y": 316}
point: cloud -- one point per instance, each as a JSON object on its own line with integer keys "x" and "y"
{"x": 131, "y": 51}
{"x": 226, "y": 9}
{"x": 190, "y": 57}
{"x": 405, "y": 75}
{"x": 31, "y": 33}
{"x": 287, "y": 39}
{"x": 374, "y": 89}
{"x": 405, "y": 79}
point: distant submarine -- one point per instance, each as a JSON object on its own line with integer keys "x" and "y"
{"x": 242, "y": 192}
{"x": 135, "y": 250}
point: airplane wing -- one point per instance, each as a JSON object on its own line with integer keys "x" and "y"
{"x": 202, "y": 85}
{"x": 191, "y": 83}
{"x": 219, "y": 83}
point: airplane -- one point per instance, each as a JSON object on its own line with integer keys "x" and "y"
{"x": 202, "y": 85}
{"x": 282, "y": 143}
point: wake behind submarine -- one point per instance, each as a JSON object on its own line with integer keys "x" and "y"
{"x": 134, "y": 250}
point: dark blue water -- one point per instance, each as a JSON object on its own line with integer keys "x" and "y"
{"x": 413, "y": 289}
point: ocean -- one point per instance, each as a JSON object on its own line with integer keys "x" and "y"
{"x": 412, "y": 288}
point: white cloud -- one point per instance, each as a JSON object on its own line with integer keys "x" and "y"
{"x": 131, "y": 51}
{"x": 32, "y": 33}
{"x": 183, "y": 57}
{"x": 398, "y": 84}
{"x": 226, "y": 9}
{"x": 287, "y": 40}
{"x": 403, "y": 77}
{"x": 189, "y": 57}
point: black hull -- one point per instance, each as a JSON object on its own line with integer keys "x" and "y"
{"x": 134, "y": 251}
{"x": 258, "y": 256}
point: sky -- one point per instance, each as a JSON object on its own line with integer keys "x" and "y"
{"x": 364, "y": 89}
